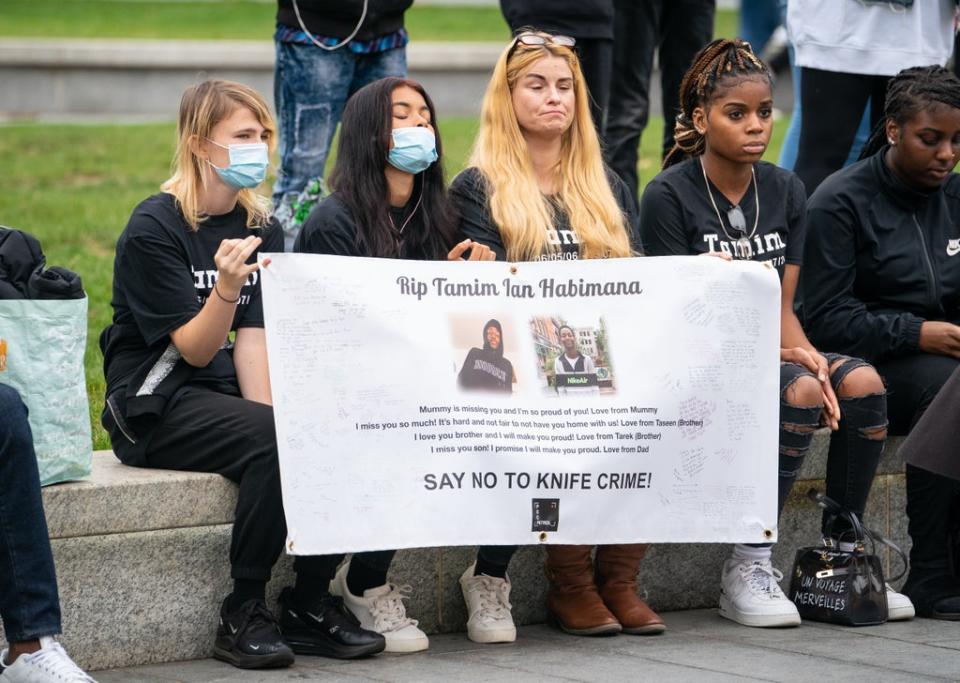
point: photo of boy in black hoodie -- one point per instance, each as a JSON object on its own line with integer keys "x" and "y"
{"x": 486, "y": 369}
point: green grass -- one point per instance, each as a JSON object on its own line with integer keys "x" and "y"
{"x": 74, "y": 186}
{"x": 233, "y": 20}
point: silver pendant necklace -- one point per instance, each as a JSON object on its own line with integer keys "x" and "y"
{"x": 743, "y": 242}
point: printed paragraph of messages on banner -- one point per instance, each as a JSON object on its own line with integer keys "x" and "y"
{"x": 435, "y": 403}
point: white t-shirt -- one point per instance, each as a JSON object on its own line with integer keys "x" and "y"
{"x": 874, "y": 39}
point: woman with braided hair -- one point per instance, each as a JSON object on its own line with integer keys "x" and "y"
{"x": 716, "y": 195}
{"x": 882, "y": 281}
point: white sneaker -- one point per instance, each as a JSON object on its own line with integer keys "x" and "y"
{"x": 381, "y": 609}
{"x": 49, "y": 664}
{"x": 488, "y": 607}
{"x": 750, "y": 595}
{"x": 899, "y": 607}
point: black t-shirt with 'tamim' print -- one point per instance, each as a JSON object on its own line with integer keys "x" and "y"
{"x": 163, "y": 274}
{"x": 677, "y": 217}
{"x": 469, "y": 193}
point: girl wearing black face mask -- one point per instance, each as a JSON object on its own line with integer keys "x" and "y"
{"x": 882, "y": 281}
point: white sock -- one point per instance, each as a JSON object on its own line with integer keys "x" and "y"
{"x": 751, "y": 553}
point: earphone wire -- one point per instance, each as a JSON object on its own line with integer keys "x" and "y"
{"x": 410, "y": 217}
{"x": 331, "y": 48}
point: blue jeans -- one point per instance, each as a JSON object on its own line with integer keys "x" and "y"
{"x": 791, "y": 141}
{"x": 29, "y": 602}
{"x": 758, "y": 20}
{"x": 310, "y": 88}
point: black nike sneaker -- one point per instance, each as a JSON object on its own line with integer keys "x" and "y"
{"x": 249, "y": 638}
{"x": 327, "y": 629}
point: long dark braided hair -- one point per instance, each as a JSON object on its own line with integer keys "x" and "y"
{"x": 718, "y": 61}
{"x": 908, "y": 93}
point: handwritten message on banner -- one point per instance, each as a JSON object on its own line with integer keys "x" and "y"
{"x": 426, "y": 403}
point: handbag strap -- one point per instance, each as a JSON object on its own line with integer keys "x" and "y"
{"x": 861, "y": 531}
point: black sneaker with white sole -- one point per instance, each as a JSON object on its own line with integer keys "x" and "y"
{"x": 327, "y": 629}
{"x": 249, "y": 638}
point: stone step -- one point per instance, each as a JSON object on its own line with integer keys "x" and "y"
{"x": 144, "y": 79}
{"x": 142, "y": 560}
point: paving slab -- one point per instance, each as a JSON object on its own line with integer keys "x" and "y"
{"x": 698, "y": 645}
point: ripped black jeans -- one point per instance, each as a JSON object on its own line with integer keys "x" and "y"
{"x": 855, "y": 448}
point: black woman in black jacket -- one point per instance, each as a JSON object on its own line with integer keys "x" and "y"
{"x": 882, "y": 282}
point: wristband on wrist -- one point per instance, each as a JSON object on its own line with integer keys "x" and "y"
{"x": 222, "y": 297}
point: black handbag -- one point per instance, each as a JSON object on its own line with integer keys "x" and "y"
{"x": 842, "y": 586}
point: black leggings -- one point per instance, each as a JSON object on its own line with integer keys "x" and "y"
{"x": 832, "y": 105}
{"x": 206, "y": 431}
{"x": 912, "y": 383}
{"x": 596, "y": 61}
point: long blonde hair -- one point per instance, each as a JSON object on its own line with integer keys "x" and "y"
{"x": 202, "y": 107}
{"x": 520, "y": 210}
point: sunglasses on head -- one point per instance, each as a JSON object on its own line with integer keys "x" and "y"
{"x": 530, "y": 39}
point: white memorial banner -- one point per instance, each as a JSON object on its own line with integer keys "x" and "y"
{"x": 608, "y": 401}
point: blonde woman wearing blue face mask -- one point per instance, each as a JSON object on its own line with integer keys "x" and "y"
{"x": 181, "y": 396}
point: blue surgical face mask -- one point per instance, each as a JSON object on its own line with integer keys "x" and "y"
{"x": 414, "y": 149}
{"x": 248, "y": 165}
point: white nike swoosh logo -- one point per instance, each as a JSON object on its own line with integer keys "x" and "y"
{"x": 233, "y": 630}
{"x": 953, "y": 248}
{"x": 254, "y": 647}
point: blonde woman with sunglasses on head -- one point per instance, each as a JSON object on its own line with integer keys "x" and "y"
{"x": 537, "y": 189}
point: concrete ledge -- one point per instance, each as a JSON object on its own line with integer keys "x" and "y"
{"x": 142, "y": 560}
{"x": 64, "y": 79}
{"x": 144, "y": 78}
{"x": 120, "y": 499}
{"x": 206, "y": 54}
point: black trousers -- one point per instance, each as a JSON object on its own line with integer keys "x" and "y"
{"x": 832, "y": 105}
{"x": 912, "y": 383}
{"x": 673, "y": 29}
{"x": 596, "y": 62}
{"x": 206, "y": 431}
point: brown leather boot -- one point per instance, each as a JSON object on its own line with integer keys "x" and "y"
{"x": 573, "y": 599}
{"x": 617, "y": 567}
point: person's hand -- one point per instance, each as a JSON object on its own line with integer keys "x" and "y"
{"x": 478, "y": 252}
{"x": 940, "y": 338}
{"x": 818, "y": 365}
{"x": 232, "y": 268}
{"x": 724, "y": 256}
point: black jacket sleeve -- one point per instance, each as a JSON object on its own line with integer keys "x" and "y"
{"x": 470, "y": 198}
{"x": 835, "y": 318}
{"x": 662, "y": 227}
